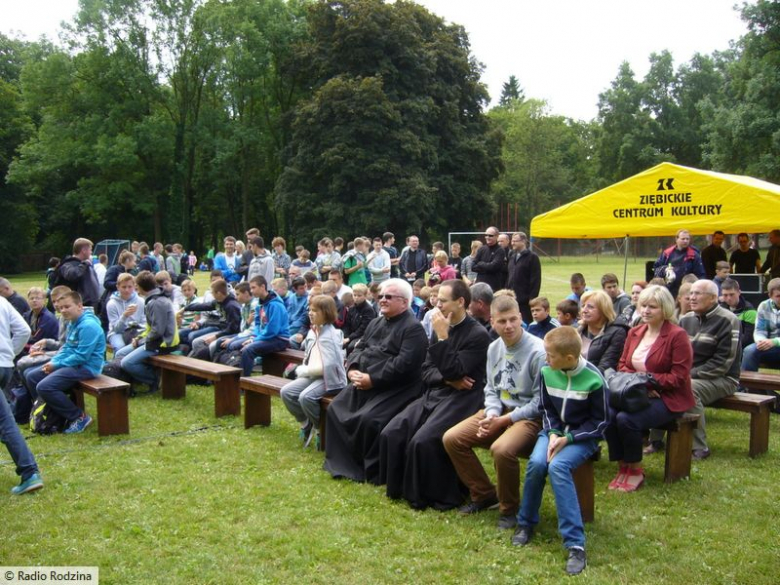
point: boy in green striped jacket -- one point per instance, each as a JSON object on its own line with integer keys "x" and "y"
{"x": 574, "y": 417}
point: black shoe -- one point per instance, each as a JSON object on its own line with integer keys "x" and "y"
{"x": 522, "y": 535}
{"x": 576, "y": 561}
{"x": 473, "y": 507}
{"x": 507, "y": 521}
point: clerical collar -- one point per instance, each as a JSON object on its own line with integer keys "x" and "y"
{"x": 453, "y": 325}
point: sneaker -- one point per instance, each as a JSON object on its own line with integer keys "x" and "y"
{"x": 522, "y": 535}
{"x": 304, "y": 434}
{"x": 32, "y": 483}
{"x": 654, "y": 447}
{"x": 699, "y": 454}
{"x": 473, "y": 507}
{"x": 314, "y": 435}
{"x": 576, "y": 562}
{"x": 507, "y": 521}
{"x": 79, "y": 425}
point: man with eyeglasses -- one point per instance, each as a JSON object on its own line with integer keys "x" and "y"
{"x": 717, "y": 354}
{"x": 385, "y": 374}
{"x": 414, "y": 464}
{"x": 490, "y": 262}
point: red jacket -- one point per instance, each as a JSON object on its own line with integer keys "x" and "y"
{"x": 670, "y": 360}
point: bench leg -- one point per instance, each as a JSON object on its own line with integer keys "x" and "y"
{"x": 759, "y": 432}
{"x": 174, "y": 384}
{"x": 323, "y": 421}
{"x": 273, "y": 366}
{"x": 679, "y": 447}
{"x": 78, "y": 397}
{"x": 113, "y": 418}
{"x": 257, "y": 409}
{"x": 584, "y": 483}
{"x": 227, "y": 396}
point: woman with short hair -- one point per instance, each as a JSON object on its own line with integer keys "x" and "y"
{"x": 602, "y": 337}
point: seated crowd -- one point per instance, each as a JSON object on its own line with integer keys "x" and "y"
{"x": 426, "y": 356}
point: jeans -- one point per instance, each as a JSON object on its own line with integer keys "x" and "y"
{"x": 752, "y": 358}
{"x": 189, "y": 335}
{"x": 302, "y": 398}
{"x": 134, "y": 363}
{"x": 259, "y": 348}
{"x": 559, "y": 469}
{"x": 52, "y": 388}
{"x": 12, "y": 437}
{"x": 116, "y": 341}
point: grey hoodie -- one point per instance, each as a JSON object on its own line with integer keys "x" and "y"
{"x": 117, "y": 306}
{"x": 512, "y": 377}
{"x": 329, "y": 341}
{"x": 262, "y": 265}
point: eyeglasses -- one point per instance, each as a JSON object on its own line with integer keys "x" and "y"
{"x": 491, "y": 235}
{"x": 696, "y": 293}
{"x": 389, "y": 297}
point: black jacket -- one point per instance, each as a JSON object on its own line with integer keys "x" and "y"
{"x": 525, "y": 275}
{"x": 79, "y": 275}
{"x": 358, "y": 318}
{"x": 414, "y": 261}
{"x": 605, "y": 350}
{"x": 490, "y": 265}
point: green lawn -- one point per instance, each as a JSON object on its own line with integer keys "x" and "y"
{"x": 187, "y": 498}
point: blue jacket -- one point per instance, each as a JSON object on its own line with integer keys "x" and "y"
{"x": 47, "y": 326}
{"x": 297, "y": 310}
{"x": 85, "y": 345}
{"x": 229, "y": 274}
{"x": 271, "y": 321}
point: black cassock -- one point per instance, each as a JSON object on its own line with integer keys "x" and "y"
{"x": 414, "y": 463}
{"x": 391, "y": 352}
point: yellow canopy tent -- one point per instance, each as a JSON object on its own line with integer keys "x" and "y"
{"x": 663, "y": 199}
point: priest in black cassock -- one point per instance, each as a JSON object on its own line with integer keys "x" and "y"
{"x": 384, "y": 372}
{"x": 414, "y": 463}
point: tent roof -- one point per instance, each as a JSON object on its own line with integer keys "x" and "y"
{"x": 664, "y": 199}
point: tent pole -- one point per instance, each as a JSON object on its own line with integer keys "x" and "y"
{"x": 625, "y": 262}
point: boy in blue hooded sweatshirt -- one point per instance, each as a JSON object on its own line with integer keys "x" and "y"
{"x": 272, "y": 328}
{"x": 81, "y": 358}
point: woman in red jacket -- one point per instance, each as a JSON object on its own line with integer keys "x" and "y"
{"x": 661, "y": 348}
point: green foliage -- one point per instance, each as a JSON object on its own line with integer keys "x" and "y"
{"x": 546, "y": 158}
{"x": 511, "y": 92}
{"x": 744, "y": 132}
{"x": 394, "y": 136}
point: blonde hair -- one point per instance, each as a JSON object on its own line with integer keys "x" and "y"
{"x": 603, "y": 303}
{"x": 662, "y": 296}
{"x": 564, "y": 341}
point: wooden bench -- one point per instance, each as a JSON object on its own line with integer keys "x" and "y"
{"x": 173, "y": 381}
{"x": 257, "y": 398}
{"x": 275, "y": 363}
{"x": 112, "y": 410}
{"x": 759, "y": 382}
{"x": 584, "y": 482}
{"x": 759, "y": 406}
{"x": 679, "y": 447}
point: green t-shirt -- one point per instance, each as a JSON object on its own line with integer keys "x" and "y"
{"x": 359, "y": 276}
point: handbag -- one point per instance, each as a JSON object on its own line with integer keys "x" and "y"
{"x": 628, "y": 390}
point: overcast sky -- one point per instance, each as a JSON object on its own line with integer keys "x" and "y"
{"x": 562, "y": 51}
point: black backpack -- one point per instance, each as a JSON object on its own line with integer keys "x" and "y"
{"x": 228, "y": 358}
{"x": 44, "y": 420}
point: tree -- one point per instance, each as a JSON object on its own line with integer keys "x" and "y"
{"x": 511, "y": 92}
{"x": 743, "y": 129}
{"x": 394, "y": 136}
{"x": 546, "y": 159}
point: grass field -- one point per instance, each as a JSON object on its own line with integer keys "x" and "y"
{"x": 187, "y": 498}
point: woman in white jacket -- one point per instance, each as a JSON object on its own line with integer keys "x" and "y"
{"x": 322, "y": 372}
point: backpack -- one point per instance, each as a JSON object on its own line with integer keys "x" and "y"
{"x": 229, "y": 358}
{"x": 44, "y": 420}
